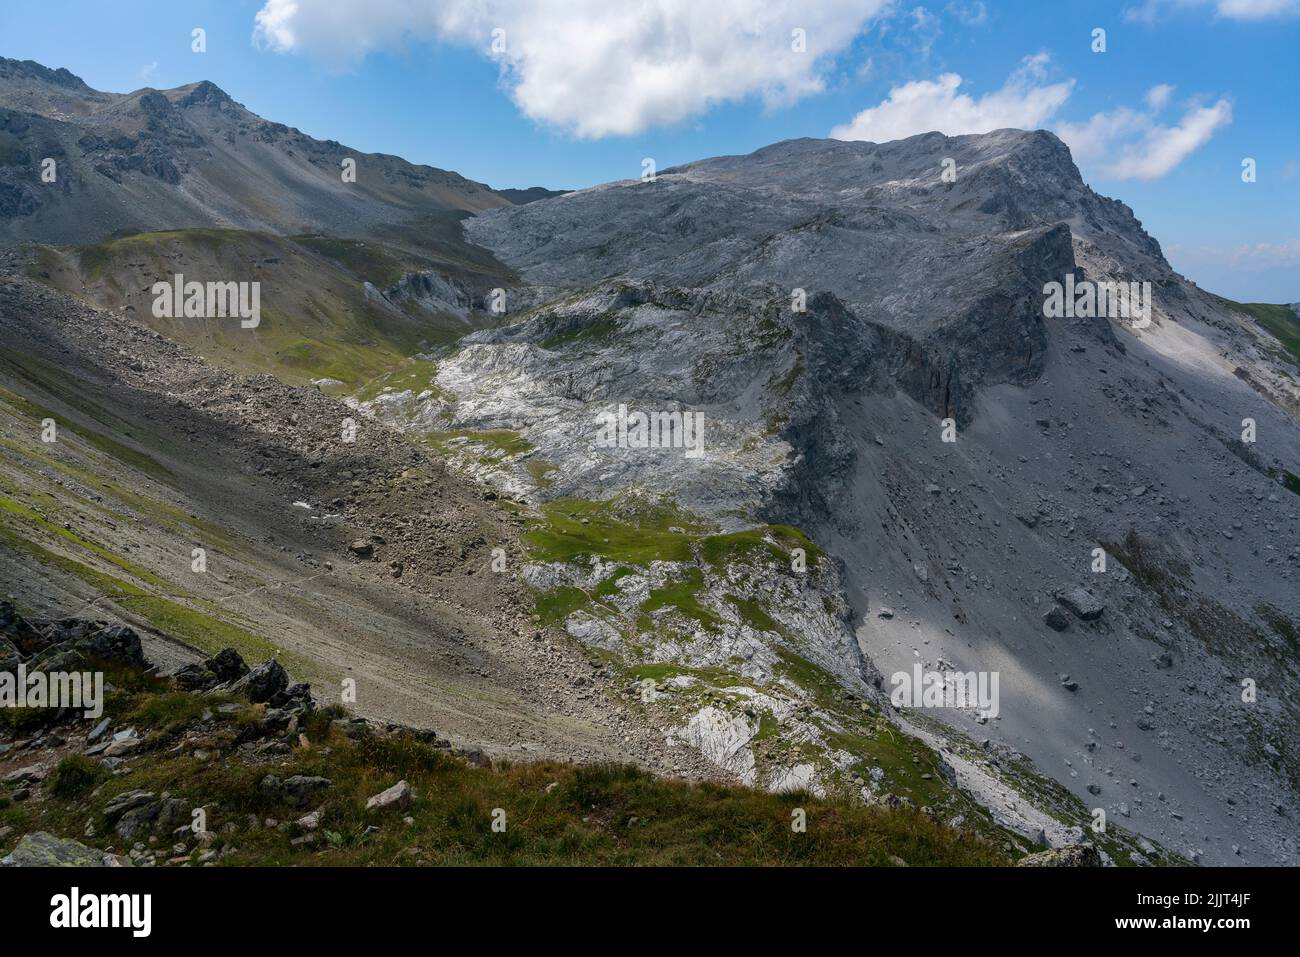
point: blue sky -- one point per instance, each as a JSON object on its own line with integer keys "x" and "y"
{"x": 579, "y": 93}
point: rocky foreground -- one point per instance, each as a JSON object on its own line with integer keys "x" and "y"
{"x": 220, "y": 763}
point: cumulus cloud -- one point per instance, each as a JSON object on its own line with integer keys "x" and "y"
{"x": 1255, "y": 256}
{"x": 1262, "y": 257}
{"x": 1152, "y": 10}
{"x": 1025, "y": 101}
{"x": 1133, "y": 144}
{"x": 593, "y": 67}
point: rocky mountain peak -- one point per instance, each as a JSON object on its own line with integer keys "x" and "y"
{"x": 32, "y": 71}
{"x": 122, "y": 155}
{"x": 203, "y": 93}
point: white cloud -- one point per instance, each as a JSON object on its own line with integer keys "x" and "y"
{"x": 1159, "y": 95}
{"x": 1245, "y": 257}
{"x": 1133, "y": 144}
{"x": 148, "y": 71}
{"x": 1257, "y": 256}
{"x": 924, "y": 30}
{"x": 1252, "y": 10}
{"x": 1025, "y": 101}
{"x": 1124, "y": 143}
{"x": 971, "y": 14}
{"x": 595, "y": 67}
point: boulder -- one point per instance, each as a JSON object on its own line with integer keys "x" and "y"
{"x": 137, "y": 821}
{"x": 45, "y": 850}
{"x": 194, "y": 677}
{"x": 309, "y": 822}
{"x": 116, "y": 643}
{"x": 226, "y": 665}
{"x": 173, "y": 813}
{"x": 1056, "y": 619}
{"x": 28, "y": 775}
{"x": 262, "y": 683}
{"x": 296, "y": 791}
{"x": 64, "y": 657}
{"x": 122, "y": 746}
{"x": 126, "y": 802}
{"x": 67, "y": 644}
{"x": 98, "y": 730}
{"x": 398, "y": 796}
{"x": 294, "y": 699}
{"x": 21, "y": 633}
{"x": 1082, "y": 604}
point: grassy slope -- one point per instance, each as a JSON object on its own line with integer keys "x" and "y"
{"x": 1280, "y": 322}
{"x": 554, "y": 813}
{"x": 634, "y": 533}
{"x": 316, "y": 319}
{"x": 64, "y": 507}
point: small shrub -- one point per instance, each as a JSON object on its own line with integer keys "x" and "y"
{"x": 75, "y": 775}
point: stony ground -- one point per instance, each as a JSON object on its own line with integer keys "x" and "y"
{"x": 227, "y": 764}
{"x": 428, "y": 632}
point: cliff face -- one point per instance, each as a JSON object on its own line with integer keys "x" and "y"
{"x": 826, "y": 306}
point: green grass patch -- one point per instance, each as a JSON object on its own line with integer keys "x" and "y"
{"x": 501, "y": 443}
{"x": 570, "y": 528}
{"x": 413, "y": 375}
{"x": 776, "y": 541}
{"x": 1280, "y": 321}
{"x": 555, "y": 606}
{"x": 171, "y": 710}
{"x": 600, "y": 331}
{"x": 683, "y": 595}
{"x": 373, "y": 262}
{"x": 753, "y": 614}
{"x": 74, "y": 776}
{"x": 540, "y": 470}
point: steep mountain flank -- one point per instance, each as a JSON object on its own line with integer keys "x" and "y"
{"x": 836, "y": 311}
{"x": 191, "y": 157}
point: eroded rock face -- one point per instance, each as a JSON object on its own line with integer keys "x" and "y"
{"x": 724, "y": 739}
{"x": 922, "y": 303}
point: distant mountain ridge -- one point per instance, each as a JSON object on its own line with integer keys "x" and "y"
{"x": 191, "y": 157}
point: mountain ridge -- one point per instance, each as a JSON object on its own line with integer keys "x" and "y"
{"x": 922, "y": 312}
{"x": 119, "y": 155}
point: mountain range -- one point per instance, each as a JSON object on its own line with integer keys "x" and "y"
{"x": 904, "y": 463}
